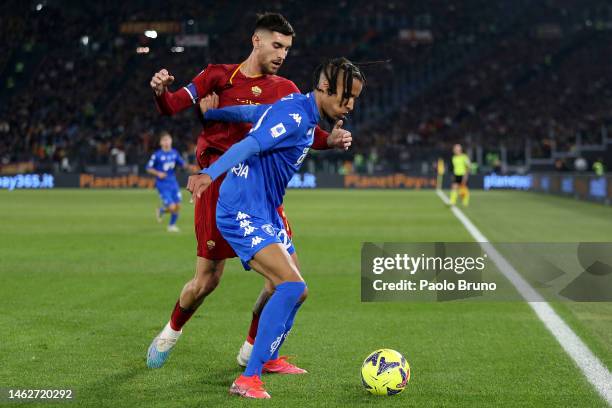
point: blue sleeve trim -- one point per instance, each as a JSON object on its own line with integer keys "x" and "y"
{"x": 192, "y": 91}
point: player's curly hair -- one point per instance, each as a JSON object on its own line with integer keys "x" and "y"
{"x": 330, "y": 69}
{"x": 274, "y": 22}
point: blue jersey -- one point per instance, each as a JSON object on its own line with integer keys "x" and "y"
{"x": 165, "y": 161}
{"x": 285, "y": 132}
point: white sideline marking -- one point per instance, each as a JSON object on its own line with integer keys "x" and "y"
{"x": 592, "y": 368}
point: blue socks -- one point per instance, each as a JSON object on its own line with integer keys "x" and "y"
{"x": 288, "y": 326}
{"x": 173, "y": 218}
{"x": 273, "y": 324}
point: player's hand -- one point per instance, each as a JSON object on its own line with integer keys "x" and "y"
{"x": 161, "y": 175}
{"x": 160, "y": 81}
{"x": 210, "y": 101}
{"x": 340, "y": 138}
{"x": 196, "y": 184}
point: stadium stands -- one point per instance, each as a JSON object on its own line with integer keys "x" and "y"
{"x": 532, "y": 77}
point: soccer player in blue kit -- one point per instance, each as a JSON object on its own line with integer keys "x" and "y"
{"x": 161, "y": 165}
{"x": 260, "y": 167}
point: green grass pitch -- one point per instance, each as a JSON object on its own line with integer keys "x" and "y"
{"x": 88, "y": 278}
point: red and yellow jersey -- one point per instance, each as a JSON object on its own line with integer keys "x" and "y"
{"x": 233, "y": 88}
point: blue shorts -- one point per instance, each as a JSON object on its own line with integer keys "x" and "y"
{"x": 169, "y": 194}
{"x": 249, "y": 233}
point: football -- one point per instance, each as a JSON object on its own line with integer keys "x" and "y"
{"x": 385, "y": 372}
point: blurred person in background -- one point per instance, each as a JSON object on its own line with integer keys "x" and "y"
{"x": 461, "y": 166}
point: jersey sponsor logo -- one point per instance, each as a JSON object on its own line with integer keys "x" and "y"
{"x": 297, "y": 118}
{"x": 256, "y": 241}
{"x": 268, "y": 229}
{"x": 246, "y": 102}
{"x": 278, "y": 130}
{"x": 256, "y": 90}
{"x": 242, "y": 216}
{"x": 241, "y": 170}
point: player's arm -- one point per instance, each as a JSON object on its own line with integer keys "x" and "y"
{"x": 151, "y": 168}
{"x": 274, "y": 128}
{"x": 170, "y": 103}
{"x": 338, "y": 138}
{"x": 181, "y": 162}
{"x": 237, "y": 113}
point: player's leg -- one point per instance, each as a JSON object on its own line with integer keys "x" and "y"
{"x": 163, "y": 208}
{"x": 453, "y": 194}
{"x": 207, "y": 276}
{"x": 277, "y": 266}
{"x": 283, "y": 231}
{"x": 466, "y": 192}
{"x": 276, "y": 364}
{"x": 247, "y": 347}
{"x": 174, "y": 208}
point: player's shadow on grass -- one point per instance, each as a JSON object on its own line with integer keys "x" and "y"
{"x": 110, "y": 384}
{"x": 221, "y": 378}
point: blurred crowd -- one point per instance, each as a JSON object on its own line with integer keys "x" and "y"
{"x": 76, "y": 93}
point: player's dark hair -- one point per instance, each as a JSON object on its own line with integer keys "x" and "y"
{"x": 274, "y": 22}
{"x": 331, "y": 69}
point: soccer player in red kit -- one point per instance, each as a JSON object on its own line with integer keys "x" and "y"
{"x": 251, "y": 82}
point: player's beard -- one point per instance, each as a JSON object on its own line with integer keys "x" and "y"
{"x": 270, "y": 68}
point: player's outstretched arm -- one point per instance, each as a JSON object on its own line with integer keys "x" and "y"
{"x": 237, "y": 113}
{"x": 170, "y": 103}
{"x": 234, "y": 155}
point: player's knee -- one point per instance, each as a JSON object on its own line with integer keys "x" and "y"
{"x": 202, "y": 289}
{"x": 206, "y": 284}
{"x": 172, "y": 208}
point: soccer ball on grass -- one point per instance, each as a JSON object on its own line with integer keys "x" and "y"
{"x": 385, "y": 372}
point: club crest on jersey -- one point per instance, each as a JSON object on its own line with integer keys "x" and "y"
{"x": 268, "y": 229}
{"x": 278, "y": 130}
{"x": 256, "y": 90}
{"x": 241, "y": 170}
